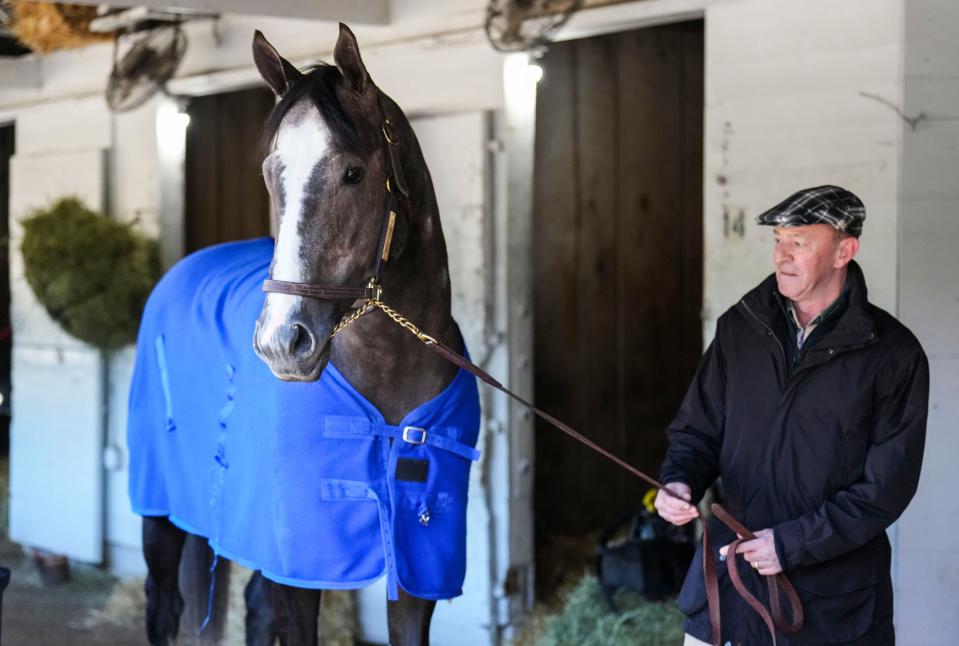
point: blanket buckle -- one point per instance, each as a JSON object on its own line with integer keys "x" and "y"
{"x": 414, "y": 435}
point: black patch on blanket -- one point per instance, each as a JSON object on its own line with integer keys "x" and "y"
{"x": 410, "y": 470}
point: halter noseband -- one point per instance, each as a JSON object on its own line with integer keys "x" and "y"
{"x": 373, "y": 291}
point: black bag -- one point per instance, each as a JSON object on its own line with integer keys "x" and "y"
{"x": 651, "y": 558}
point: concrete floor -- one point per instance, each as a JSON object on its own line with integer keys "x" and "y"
{"x": 94, "y": 608}
{"x": 91, "y": 609}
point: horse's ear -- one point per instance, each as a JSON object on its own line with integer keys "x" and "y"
{"x": 346, "y": 55}
{"x": 278, "y": 72}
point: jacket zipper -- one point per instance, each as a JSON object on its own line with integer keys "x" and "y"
{"x": 789, "y": 378}
{"x": 769, "y": 330}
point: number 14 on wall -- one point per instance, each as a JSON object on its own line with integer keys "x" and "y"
{"x": 734, "y": 223}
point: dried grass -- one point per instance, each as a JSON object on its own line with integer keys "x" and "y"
{"x": 127, "y": 603}
{"x": 562, "y": 560}
{"x": 339, "y": 621}
{"x": 92, "y": 274}
{"x": 579, "y": 616}
{"x": 48, "y": 26}
{"x": 571, "y": 610}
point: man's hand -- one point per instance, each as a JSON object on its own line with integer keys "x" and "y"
{"x": 676, "y": 511}
{"x": 760, "y": 553}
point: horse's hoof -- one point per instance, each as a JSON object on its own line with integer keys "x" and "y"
{"x": 163, "y": 617}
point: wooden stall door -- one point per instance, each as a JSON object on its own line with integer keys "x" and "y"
{"x": 618, "y": 262}
{"x": 225, "y": 196}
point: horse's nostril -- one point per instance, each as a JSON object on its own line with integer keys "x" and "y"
{"x": 302, "y": 342}
{"x": 291, "y": 341}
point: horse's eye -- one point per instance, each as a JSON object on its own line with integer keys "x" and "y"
{"x": 353, "y": 175}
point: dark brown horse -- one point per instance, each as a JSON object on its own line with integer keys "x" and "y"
{"x": 326, "y": 167}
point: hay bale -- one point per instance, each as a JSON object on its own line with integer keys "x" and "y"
{"x": 91, "y": 274}
{"x": 581, "y": 616}
{"x": 48, "y": 26}
{"x": 562, "y": 559}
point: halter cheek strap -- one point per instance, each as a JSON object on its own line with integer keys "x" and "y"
{"x": 392, "y": 155}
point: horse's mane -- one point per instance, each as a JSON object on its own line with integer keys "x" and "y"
{"x": 319, "y": 83}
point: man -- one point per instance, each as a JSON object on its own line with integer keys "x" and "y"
{"x": 810, "y": 404}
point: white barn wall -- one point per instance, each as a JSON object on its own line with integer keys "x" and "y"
{"x": 927, "y": 572}
{"x": 783, "y": 112}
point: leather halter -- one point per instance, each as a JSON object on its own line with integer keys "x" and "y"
{"x": 373, "y": 290}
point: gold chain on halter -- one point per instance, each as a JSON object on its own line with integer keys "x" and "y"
{"x": 347, "y": 320}
{"x": 398, "y": 318}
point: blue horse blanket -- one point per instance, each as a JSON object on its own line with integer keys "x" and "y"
{"x": 303, "y": 481}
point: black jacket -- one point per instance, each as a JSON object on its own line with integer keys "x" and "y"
{"x": 827, "y": 454}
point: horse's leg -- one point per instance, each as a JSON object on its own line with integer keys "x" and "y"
{"x": 296, "y": 610}
{"x": 260, "y": 618}
{"x": 162, "y": 546}
{"x": 409, "y": 620}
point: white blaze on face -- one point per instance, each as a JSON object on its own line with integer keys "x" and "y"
{"x": 301, "y": 143}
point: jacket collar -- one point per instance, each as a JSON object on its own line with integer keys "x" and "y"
{"x": 854, "y": 326}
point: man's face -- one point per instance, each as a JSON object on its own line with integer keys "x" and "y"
{"x": 808, "y": 257}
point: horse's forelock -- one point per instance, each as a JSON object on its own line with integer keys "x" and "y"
{"x": 319, "y": 87}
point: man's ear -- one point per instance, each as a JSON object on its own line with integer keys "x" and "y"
{"x": 847, "y": 250}
{"x": 346, "y": 55}
{"x": 278, "y": 72}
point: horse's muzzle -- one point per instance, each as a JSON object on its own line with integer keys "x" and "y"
{"x": 291, "y": 350}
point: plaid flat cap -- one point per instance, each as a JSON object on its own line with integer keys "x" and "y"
{"x": 820, "y": 205}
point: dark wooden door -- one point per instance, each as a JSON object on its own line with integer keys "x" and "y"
{"x": 618, "y": 261}
{"x": 225, "y": 197}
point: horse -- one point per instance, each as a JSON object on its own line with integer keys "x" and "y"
{"x": 241, "y": 443}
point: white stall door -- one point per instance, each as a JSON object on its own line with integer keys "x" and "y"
{"x": 56, "y": 433}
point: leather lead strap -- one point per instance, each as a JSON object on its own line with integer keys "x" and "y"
{"x": 712, "y": 587}
{"x": 772, "y": 622}
{"x": 747, "y": 596}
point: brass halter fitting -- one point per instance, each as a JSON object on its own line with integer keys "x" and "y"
{"x": 377, "y": 289}
{"x": 388, "y": 133}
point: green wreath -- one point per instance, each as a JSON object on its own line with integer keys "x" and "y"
{"x": 92, "y": 274}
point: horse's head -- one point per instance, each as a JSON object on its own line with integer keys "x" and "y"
{"x": 326, "y": 171}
